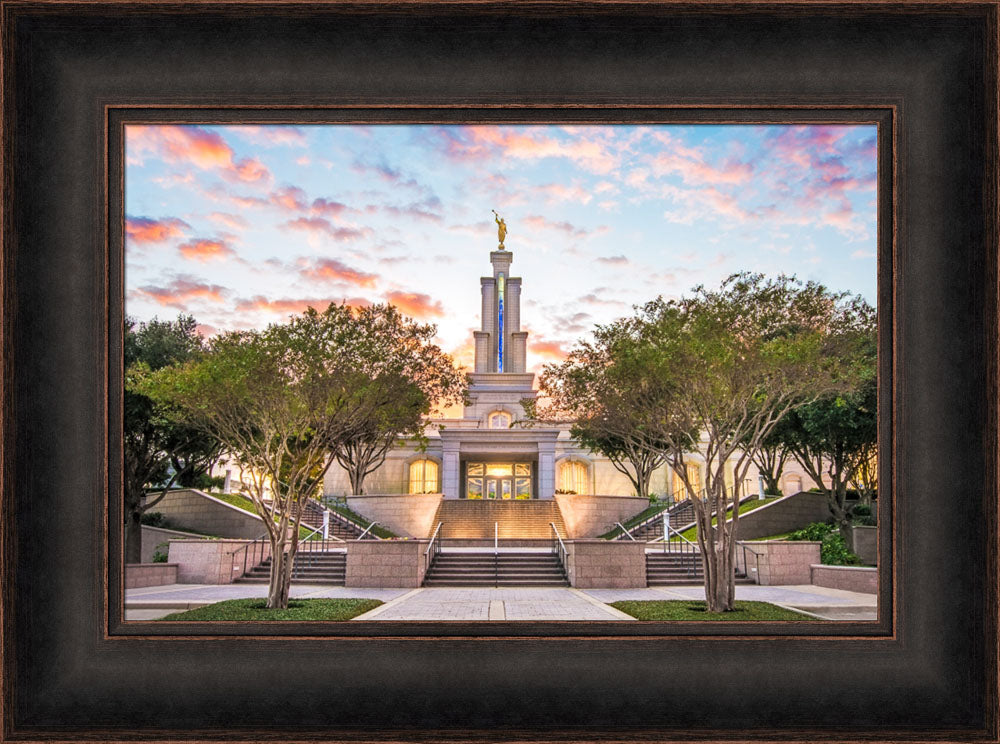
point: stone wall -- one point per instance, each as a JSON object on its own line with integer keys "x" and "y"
{"x": 153, "y": 537}
{"x": 386, "y": 563}
{"x": 212, "y": 561}
{"x": 864, "y": 544}
{"x": 851, "y": 578}
{"x": 784, "y": 515}
{"x": 138, "y": 575}
{"x": 607, "y": 564}
{"x": 589, "y": 516}
{"x": 408, "y": 515}
{"x": 191, "y": 509}
{"x": 774, "y": 562}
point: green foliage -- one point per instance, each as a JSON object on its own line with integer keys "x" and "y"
{"x": 833, "y": 549}
{"x": 684, "y": 610}
{"x": 155, "y": 519}
{"x": 863, "y": 515}
{"x": 160, "y": 556}
{"x": 298, "y": 609}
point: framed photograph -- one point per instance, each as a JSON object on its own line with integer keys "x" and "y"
{"x": 243, "y": 162}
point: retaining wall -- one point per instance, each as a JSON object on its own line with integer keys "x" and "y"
{"x": 851, "y": 578}
{"x": 864, "y": 544}
{"x": 192, "y": 509}
{"x": 386, "y": 563}
{"x": 153, "y": 537}
{"x": 784, "y": 515}
{"x": 779, "y": 561}
{"x": 588, "y": 515}
{"x": 408, "y": 515}
{"x": 138, "y": 575}
{"x": 211, "y": 561}
{"x": 606, "y": 564}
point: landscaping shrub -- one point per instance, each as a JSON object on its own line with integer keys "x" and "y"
{"x": 154, "y": 519}
{"x": 833, "y": 551}
{"x": 158, "y": 555}
{"x": 863, "y": 516}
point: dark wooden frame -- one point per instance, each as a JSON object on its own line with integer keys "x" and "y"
{"x": 73, "y": 72}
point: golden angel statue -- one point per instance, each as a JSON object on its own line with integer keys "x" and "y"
{"x": 501, "y": 228}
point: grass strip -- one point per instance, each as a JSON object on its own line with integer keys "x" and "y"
{"x": 686, "y": 609}
{"x": 298, "y": 609}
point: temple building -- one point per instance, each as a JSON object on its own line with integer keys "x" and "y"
{"x": 491, "y": 452}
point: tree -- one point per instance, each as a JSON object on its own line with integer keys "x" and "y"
{"x": 835, "y": 436}
{"x": 594, "y": 390}
{"x": 157, "y": 447}
{"x": 409, "y": 378}
{"x": 729, "y": 364}
{"x": 282, "y": 401}
{"x": 770, "y": 457}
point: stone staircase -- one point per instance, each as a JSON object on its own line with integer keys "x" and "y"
{"x": 312, "y": 518}
{"x": 673, "y": 569}
{"x": 309, "y": 568}
{"x": 475, "y": 520}
{"x": 681, "y": 515}
{"x": 500, "y": 570}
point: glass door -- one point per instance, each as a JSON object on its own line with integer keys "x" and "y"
{"x": 499, "y": 487}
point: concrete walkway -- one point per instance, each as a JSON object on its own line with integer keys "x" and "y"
{"x": 499, "y": 604}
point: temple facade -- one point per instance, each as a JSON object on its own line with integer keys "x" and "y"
{"x": 492, "y": 451}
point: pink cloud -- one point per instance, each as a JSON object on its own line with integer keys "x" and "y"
{"x": 232, "y": 221}
{"x": 149, "y": 230}
{"x": 539, "y": 222}
{"x": 479, "y": 142}
{"x": 290, "y": 306}
{"x": 192, "y": 145}
{"x": 415, "y": 304}
{"x": 321, "y": 226}
{"x": 270, "y": 135}
{"x": 205, "y": 250}
{"x": 332, "y": 270}
{"x": 182, "y": 290}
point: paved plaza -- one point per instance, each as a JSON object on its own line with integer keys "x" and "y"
{"x": 499, "y": 604}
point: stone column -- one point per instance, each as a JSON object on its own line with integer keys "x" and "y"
{"x": 482, "y": 346}
{"x": 450, "y": 486}
{"x": 546, "y": 470}
{"x": 518, "y": 351}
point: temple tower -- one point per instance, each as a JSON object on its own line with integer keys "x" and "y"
{"x": 500, "y": 344}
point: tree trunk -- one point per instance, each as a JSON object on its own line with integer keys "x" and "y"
{"x": 133, "y": 537}
{"x": 280, "y": 579}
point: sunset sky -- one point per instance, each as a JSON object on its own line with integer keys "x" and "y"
{"x": 241, "y": 226}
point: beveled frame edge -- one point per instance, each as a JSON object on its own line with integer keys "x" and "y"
{"x": 885, "y": 117}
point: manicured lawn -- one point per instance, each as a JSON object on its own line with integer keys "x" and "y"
{"x": 298, "y": 609}
{"x": 685, "y": 609}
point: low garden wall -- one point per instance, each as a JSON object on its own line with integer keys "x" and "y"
{"x": 851, "y": 578}
{"x": 138, "y": 575}
{"x": 775, "y": 562}
{"x": 864, "y": 544}
{"x": 212, "y": 561}
{"x": 385, "y": 563}
{"x": 408, "y": 515}
{"x": 156, "y": 539}
{"x": 192, "y": 509}
{"x": 606, "y": 564}
{"x": 588, "y": 515}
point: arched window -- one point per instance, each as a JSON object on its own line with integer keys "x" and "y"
{"x": 573, "y": 477}
{"x": 693, "y": 472}
{"x": 498, "y": 420}
{"x": 423, "y": 476}
{"x": 793, "y": 483}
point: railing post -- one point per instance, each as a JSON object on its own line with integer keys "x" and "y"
{"x": 326, "y": 524}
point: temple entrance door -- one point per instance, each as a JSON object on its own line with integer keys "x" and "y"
{"x": 499, "y": 487}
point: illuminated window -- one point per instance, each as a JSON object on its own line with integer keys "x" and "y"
{"x": 573, "y": 477}
{"x": 694, "y": 477}
{"x": 499, "y": 420}
{"x": 423, "y": 476}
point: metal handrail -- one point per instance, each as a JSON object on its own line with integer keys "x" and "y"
{"x": 496, "y": 538}
{"x": 564, "y": 558}
{"x": 703, "y": 496}
{"x": 431, "y": 546}
{"x": 367, "y": 530}
{"x": 625, "y": 531}
{"x": 756, "y": 561}
{"x": 245, "y": 549}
